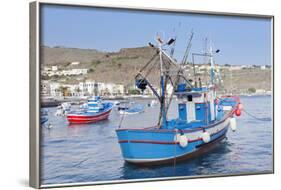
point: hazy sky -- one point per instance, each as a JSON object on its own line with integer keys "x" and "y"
{"x": 242, "y": 40}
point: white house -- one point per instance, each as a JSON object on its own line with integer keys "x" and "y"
{"x": 54, "y": 68}
{"x": 118, "y": 89}
{"x": 46, "y": 68}
{"x": 236, "y": 67}
{"x": 90, "y": 87}
{"x": 72, "y": 89}
{"x": 54, "y": 71}
{"x": 110, "y": 89}
{"x": 263, "y": 67}
{"x": 74, "y": 72}
{"x": 75, "y": 63}
{"x": 55, "y": 90}
{"x": 87, "y": 88}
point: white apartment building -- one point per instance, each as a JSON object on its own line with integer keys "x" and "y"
{"x": 54, "y": 68}
{"x": 74, "y": 72}
{"x": 110, "y": 89}
{"x": 72, "y": 89}
{"x": 87, "y": 88}
{"x": 47, "y": 71}
{"x": 263, "y": 67}
{"x": 55, "y": 89}
{"x": 75, "y": 63}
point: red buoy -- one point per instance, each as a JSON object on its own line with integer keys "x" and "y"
{"x": 237, "y": 112}
{"x": 240, "y": 106}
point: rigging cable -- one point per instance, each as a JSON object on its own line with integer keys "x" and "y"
{"x": 175, "y": 151}
{"x": 153, "y": 57}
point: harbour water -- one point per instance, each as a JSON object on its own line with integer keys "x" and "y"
{"x": 91, "y": 153}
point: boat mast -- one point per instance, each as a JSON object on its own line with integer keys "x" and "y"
{"x": 212, "y": 74}
{"x": 162, "y": 86}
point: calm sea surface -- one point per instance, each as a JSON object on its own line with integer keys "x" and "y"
{"x": 91, "y": 153}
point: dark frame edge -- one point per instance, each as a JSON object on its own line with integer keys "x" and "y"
{"x": 34, "y": 117}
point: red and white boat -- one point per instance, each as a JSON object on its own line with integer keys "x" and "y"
{"x": 95, "y": 111}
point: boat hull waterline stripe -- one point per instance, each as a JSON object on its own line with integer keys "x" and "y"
{"x": 166, "y": 142}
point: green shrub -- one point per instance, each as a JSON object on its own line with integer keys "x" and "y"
{"x": 133, "y": 91}
{"x": 251, "y": 90}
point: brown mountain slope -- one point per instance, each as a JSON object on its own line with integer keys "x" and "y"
{"x": 122, "y": 66}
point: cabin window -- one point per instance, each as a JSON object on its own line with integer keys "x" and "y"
{"x": 189, "y": 98}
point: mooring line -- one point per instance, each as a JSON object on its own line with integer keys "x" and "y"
{"x": 257, "y": 118}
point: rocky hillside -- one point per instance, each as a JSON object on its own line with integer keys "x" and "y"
{"x": 61, "y": 55}
{"x": 118, "y": 67}
{"x": 121, "y": 67}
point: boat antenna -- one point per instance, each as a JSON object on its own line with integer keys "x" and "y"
{"x": 175, "y": 40}
{"x": 185, "y": 56}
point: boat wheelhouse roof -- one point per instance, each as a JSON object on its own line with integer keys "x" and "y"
{"x": 194, "y": 92}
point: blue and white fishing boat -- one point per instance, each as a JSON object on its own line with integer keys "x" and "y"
{"x": 95, "y": 110}
{"x": 203, "y": 118}
{"x": 135, "y": 109}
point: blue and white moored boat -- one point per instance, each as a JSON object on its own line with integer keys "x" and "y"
{"x": 135, "y": 109}
{"x": 203, "y": 118}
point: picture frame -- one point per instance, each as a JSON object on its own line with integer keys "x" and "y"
{"x": 35, "y": 132}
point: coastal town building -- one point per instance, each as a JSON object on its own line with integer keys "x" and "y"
{"x": 75, "y": 63}
{"x": 55, "y": 89}
{"x": 54, "y": 68}
{"x": 54, "y": 71}
{"x": 86, "y": 88}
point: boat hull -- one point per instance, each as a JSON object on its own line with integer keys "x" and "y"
{"x": 130, "y": 111}
{"x": 204, "y": 149}
{"x": 88, "y": 118}
{"x": 154, "y": 147}
{"x": 43, "y": 120}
